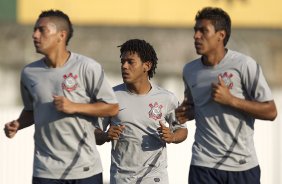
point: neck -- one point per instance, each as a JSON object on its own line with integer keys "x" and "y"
{"x": 139, "y": 88}
{"x": 57, "y": 60}
{"x": 214, "y": 58}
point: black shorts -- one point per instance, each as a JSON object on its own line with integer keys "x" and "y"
{"x": 205, "y": 175}
{"x": 96, "y": 179}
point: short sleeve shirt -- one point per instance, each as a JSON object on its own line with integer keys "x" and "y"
{"x": 64, "y": 143}
{"x": 224, "y": 135}
{"x": 140, "y": 154}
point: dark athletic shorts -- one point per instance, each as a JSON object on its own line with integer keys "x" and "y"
{"x": 96, "y": 179}
{"x": 205, "y": 175}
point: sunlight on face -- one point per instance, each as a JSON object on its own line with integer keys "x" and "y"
{"x": 52, "y": 27}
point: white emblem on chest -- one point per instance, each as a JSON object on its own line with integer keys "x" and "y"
{"x": 227, "y": 78}
{"x": 156, "y": 111}
{"x": 70, "y": 82}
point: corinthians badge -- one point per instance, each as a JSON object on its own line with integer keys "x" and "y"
{"x": 155, "y": 112}
{"x": 69, "y": 84}
{"x": 227, "y": 79}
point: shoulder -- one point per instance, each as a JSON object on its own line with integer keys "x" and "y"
{"x": 167, "y": 97}
{"x": 241, "y": 58}
{"x": 85, "y": 60}
{"x": 162, "y": 90}
{"x": 165, "y": 93}
{"x": 34, "y": 65}
{"x": 37, "y": 63}
{"x": 192, "y": 64}
{"x": 120, "y": 87}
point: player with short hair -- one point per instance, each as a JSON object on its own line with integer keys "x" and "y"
{"x": 63, "y": 94}
{"x": 139, "y": 132}
{"x": 225, "y": 92}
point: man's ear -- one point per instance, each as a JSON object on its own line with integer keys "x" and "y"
{"x": 63, "y": 36}
{"x": 222, "y": 35}
{"x": 147, "y": 66}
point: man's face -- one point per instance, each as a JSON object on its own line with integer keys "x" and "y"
{"x": 206, "y": 40}
{"x": 132, "y": 68}
{"x": 45, "y": 35}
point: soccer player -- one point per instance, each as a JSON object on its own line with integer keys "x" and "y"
{"x": 63, "y": 93}
{"x": 225, "y": 92}
{"x": 145, "y": 122}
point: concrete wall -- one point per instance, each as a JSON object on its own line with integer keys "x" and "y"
{"x": 173, "y": 45}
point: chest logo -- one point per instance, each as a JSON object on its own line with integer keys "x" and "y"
{"x": 156, "y": 111}
{"x": 226, "y": 77}
{"x": 69, "y": 84}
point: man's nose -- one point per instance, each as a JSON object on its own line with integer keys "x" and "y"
{"x": 124, "y": 65}
{"x": 197, "y": 34}
{"x": 35, "y": 34}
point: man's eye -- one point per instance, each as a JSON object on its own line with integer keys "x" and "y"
{"x": 41, "y": 29}
{"x": 123, "y": 62}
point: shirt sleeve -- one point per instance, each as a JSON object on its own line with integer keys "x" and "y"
{"x": 170, "y": 117}
{"x": 26, "y": 97}
{"x": 255, "y": 82}
{"x": 98, "y": 86}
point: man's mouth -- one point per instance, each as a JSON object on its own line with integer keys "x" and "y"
{"x": 124, "y": 74}
{"x": 36, "y": 44}
{"x": 197, "y": 44}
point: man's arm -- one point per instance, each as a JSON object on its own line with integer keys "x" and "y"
{"x": 178, "y": 136}
{"x": 113, "y": 133}
{"x": 185, "y": 112}
{"x": 259, "y": 110}
{"x": 26, "y": 119}
{"x": 100, "y": 109}
{"x": 101, "y": 136}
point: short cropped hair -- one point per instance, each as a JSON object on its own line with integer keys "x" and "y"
{"x": 67, "y": 25}
{"x": 145, "y": 51}
{"x": 219, "y": 18}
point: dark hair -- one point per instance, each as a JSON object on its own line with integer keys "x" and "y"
{"x": 61, "y": 16}
{"x": 219, "y": 18}
{"x": 145, "y": 51}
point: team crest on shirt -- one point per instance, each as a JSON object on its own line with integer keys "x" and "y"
{"x": 226, "y": 77}
{"x": 69, "y": 84}
{"x": 156, "y": 111}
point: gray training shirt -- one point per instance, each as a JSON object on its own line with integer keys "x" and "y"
{"x": 140, "y": 154}
{"x": 224, "y": 135}
{"x": 64, "y": 144}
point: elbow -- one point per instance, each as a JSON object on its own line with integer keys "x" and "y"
{"x": 100, "y": 136}
{"x": 186, "y": 134}
{"x": 271, "y": 111}
{"x": 273, "y": 116}
{"x": 182, "y": 136}
{"x": 115, "y": 110}
{"x": 270, "y": 116}
{"x": 99, "y": 143}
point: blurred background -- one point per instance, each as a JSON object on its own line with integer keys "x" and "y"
{"x": 100, "y": 26}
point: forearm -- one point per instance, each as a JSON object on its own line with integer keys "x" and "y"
{"x": 101, "y": 136}
{"x": 258, "y": 110}
{"x": 100, "y": 109}
{"x": 26, "y": 119}
{"x": 180, "y": 135}
{"x": 185, "y": 112}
